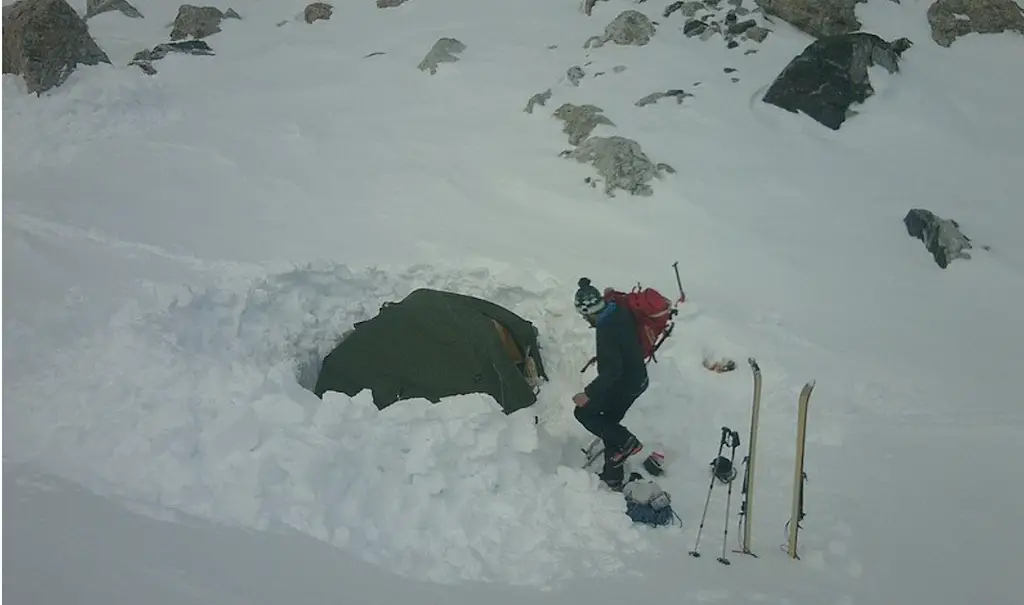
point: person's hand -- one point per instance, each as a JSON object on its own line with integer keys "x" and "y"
{"x": 580, "y": 399}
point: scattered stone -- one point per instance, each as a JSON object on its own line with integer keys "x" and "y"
{"x": 750, "y": 52}
{"x": 541, "y": 98}
{"x": 374, "y": 54}
{"x": 742, "y": 26}
{"x": 710, "y": 32}
{"x": 199, "y": 21}
{"x": 44, "y": 41}
{"x": 443, "y": 51}
{"x": 98, "y": 7}
{"x": 831, "y": 74}
{"x": 741, "y": 11}
{"x": 575, "y": 74}
{"x": 734, "y": 80}
{"x": 756, "y": 33}
{"x": 588, "y": 6}
{"x": 621, "y": 162}
{"x": 144, "y": 58}
{"x": 941, "y": 237}
{"x": 619, "y": 69}
{"x": 390, "y": 3}
{"x": 951, "y": 19}
{"x": 317, "y": 11}
{"x": 687, "y": 9}
{"x": 629, "y": 28}
{"x": 729, "y": 70}
{"x": 580, "y": 120}
{"x": 818, "y": 18}
{"x": 654, "y": 97}
{"x": 732, "y": 44}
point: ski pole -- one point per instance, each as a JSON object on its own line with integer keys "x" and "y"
{"x": 734, "y": 442}
{"x": 711, "y": 486}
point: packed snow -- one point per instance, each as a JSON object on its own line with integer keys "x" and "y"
{"x": 182, "y": 249}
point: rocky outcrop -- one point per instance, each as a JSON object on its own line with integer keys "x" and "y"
{"x": 199, "y": 21}
{"x": 629, "y": 28}
{"x": 98, "y": 7}
{"x": 708, "y": 19}
{"x": 144, "y": 58}
{"x": 831, "y": 74}
{"x": 941, "y": 237}
{"x": 580, "y": 120}
{"x": 818, "y": 18}
{"x": 44, "y": 41}
{"x": 317, "y": 11}
{"x": 620, "y": 162}
{"x": 443, "y": 51}
{"x": 950, "y": 19}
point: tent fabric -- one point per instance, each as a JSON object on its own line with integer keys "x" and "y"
{"x": 435, "y": 344}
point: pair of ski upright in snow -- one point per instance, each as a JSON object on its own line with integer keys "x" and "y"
{"x": 723, "y": 470}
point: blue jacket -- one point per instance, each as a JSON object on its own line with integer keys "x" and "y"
{"x": 621, "y": 371}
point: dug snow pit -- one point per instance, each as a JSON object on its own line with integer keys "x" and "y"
{"x": 941, "y": 237}
{"x": 831, "y": 75}
{"x": 630, "y": 28}
{"x": 45, "y": 41}
{"x": 443, "y": 51}
{"x": 621, "y": 162}
{"x": 580, "y": 120}
{"x": 951, "y": 19}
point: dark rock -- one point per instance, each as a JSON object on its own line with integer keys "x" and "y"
{"x": 687, "y": 9}
{"x": 98, "y": 7}
{"x": 831, "y": 74}
{"x": 756, "y": 33}
{"x": 199, "y": 21}
{"x": 818, "y": 18}
{"x": 732, "y": 44}
{"x": 950, "y": 19}
{"x": 390, "y": 3}
{"x": 654, "y": 97}
{"x": 729, "y": 70}
{"x": 629, "y": 28}
{"x": 317, "y": 11}
{"x": 941, "y": 237}
{"x": 541, "y": 98}
{"x": 575, "y": 74}
{"x": 44, "y": 41}
{"x": 694, "y": 27}
{"x": 144, "y": 58}
{"x": 742, "y": 26}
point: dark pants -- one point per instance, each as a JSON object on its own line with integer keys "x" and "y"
{"x": 603, "y": 418}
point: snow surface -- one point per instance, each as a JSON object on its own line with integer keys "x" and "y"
{"x": 180, "y": 250}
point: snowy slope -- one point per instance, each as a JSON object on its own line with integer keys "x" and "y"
{"x": 179, "y": 248}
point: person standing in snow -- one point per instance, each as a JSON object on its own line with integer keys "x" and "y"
{"x": 621, "y": 379}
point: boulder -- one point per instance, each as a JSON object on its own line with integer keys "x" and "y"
{"x": 818, "y": 18}
{"x": 950, "y": 19}
{"x": 98, "y": 7}
{"x": 629, "y": 28}
{"x": 621, "y": 162}
{"x": 580, "y": 120}
{"x": 317, "y": 11}
{"x": 941, "y": 237}
{"x": 831, "y": 74}
{"x": 199, "y": 21}
{"x": 443, "y": 51}
{"x": 44, "y": 41}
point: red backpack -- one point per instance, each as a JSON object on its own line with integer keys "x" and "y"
{"x": 652, "y": 313}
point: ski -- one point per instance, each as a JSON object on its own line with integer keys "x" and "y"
{"x": 799, "y": 476}
{"x": 747, "y": 505}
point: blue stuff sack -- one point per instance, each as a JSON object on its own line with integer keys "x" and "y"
{"x": 647, "y": 503}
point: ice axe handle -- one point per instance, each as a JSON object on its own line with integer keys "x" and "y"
{"x": 679, "y": 282}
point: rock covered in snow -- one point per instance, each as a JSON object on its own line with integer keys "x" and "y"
{"x": 199, "y": 21}
{"x": 951, "y": 19}
{"x": 443, "y": 51}
{"x": 941, "y": 237}
{"x": 621, "y": 162}
{"x": 144, "y": 58}
{"x": 317, "y": 11}
{"x": 541, "y": 98}
{"x": 575, "y": 74}
{"x": 831, "y": 74}
{"x": 679, "y": 95}
{"x": 818, "y": 18}
{"x": 98, "y": 7}
{"x": 44, "y": 41}
{"x": 580, "y": 120}
{"x": 629, "y": 28}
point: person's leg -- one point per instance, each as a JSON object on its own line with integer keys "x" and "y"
{"x": 624, "y": 443}
{"x": 594, "y": 420}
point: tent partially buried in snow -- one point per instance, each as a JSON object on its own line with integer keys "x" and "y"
{"x": 435, "y": 344}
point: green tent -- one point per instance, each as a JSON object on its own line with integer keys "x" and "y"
{"x": 434, "y": 344}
